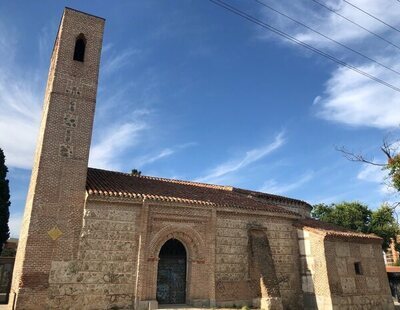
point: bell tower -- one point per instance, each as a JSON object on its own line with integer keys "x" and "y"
{"x": 53, "y": 215}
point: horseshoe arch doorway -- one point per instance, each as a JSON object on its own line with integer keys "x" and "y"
{"x": 171, "y": 274}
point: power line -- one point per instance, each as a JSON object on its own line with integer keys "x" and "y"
{"x": 326, "y": 37}
{"x": 369, "y": 14}
{"x": 354, "y": 23}
{"x": 299, "y": 42}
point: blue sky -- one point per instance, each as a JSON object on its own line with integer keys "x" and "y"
{"x": 188, "y": 90}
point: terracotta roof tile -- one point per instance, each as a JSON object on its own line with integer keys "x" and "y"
{"x": 111, "y": 183}
{"x": 393, "y": 269}
{"x": 331, "y": 231}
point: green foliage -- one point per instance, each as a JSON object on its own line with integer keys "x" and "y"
{"x": 4, "y": 202}
{"x": 394, "y": 171}
{"x": 351, "y": 215}
{"x": 358, "y": 217}
{"x": 7, "y": 252}
{"x": 136, "y": 172}
{"x": 384, "y": 225}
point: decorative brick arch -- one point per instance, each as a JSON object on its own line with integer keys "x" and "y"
{"x": 195, "y": 249}
{"x": 190, "y": 238}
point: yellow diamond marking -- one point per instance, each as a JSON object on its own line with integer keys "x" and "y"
{"x": 55, "y": 233}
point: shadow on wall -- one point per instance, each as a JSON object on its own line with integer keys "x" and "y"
{"x": 306, "y": 262}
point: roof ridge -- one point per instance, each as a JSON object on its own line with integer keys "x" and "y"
{"x": 176, "y": 181}
{"x": 125, "y": 185}
{"x": 257, "y": 194}
{"x": 333, "y": 230}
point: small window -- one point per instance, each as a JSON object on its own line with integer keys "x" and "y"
{"x": 358, "y": 268}
{"x": 80, "y": 45}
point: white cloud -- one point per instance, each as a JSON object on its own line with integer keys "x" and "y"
{"x": 113, "y": 142}
{"x": 149, "y": 159}
{"x": 331, "y": 24}
{"x": 357, "y": 101}
{"x": 273, "y": 187}
{"x": 349, "y": 97}
{"x": 117, "y": 60}
{"x": 372, "y": 173}
{"x": 20, "y": 105}
{"x": 248, "y": 158}
{"x": 376, "y": 174}
{"x": 14, "y": 224}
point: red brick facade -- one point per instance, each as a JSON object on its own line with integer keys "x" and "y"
{"x": 91, "y": 239}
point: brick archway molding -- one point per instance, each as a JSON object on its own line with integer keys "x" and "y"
{"x": 194, "y": 245}
{"x": 190, "y": 238}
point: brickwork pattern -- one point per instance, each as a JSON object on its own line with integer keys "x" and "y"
{"x": 101, "y": 250}
{"x": 313, "y": 269}
{"x": 232, "y": 259}
{"x": 57, "y": 189}
{"x": 329, "y": 277}
{"x": 104, "y": 275}
{"x": 368, "y": 290}
{"x": 191, "y": 227}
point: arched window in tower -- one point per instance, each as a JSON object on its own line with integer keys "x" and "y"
{"x": 80, "y": 45}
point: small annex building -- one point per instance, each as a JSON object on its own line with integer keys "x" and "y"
{"x": 96, "y": 239}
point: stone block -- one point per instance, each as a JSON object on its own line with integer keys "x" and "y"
{"x": 373, "y": 283}
{"x": 348, "y": 285}
{"x": 307, "y": 284}
{"x": 366, "y": 250}
{"x": 341, "y": 265}
{"x": 201, "y": 303}
{"x": 271, "y": 303}
{"x": 64, "y": 272}
{"x": 342, "y": 249}
{"x": 305, "y": 247}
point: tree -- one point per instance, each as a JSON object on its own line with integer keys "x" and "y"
{"x": 384, "y": 225}
{"x": 136, "y": 172}
{"x": 4, "y": 202}
{"x": 357, "y": 216}
{"x": 8, "y": 252}
{"x": 394, "y": 170}
{"x": 391, "y": 150}
{"x": 352, "y": 215}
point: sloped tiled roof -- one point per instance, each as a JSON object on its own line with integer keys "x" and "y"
{"x": 331, "y": 231}
{"x": 117, "y": 184}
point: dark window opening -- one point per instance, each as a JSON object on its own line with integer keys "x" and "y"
{"x": 358, "y": 268}
{"x": 173, "y": 247}
{"x": 171, "y": 274}
{"x": 80, "y": 45}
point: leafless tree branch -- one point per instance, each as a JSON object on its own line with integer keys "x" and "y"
{"x": 388, "y": 147}
{"x": 357, "y": 157}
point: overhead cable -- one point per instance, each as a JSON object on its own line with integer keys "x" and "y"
{"x": 374, "y": 17}
{"x": 255, "y": 20}
{"x": 327, "y": 37}
{"x": 358, "y": 25}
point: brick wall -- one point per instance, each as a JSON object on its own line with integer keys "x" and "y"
{"x": 329, "y": 276}
{"x": 104, "y": 275}
{"x": 80, "y": 252}
{"x": 369, "y": 289}
{"x": 56, "y": 196}
{"x": 233, "y": 282}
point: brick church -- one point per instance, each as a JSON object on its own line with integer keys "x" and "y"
{"x": 96, "y": 239}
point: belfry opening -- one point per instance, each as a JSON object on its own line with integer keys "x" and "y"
{"x": 171, "y": 275}
{"x": 99, "y": 239}
{"x": 80, "y": 46}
